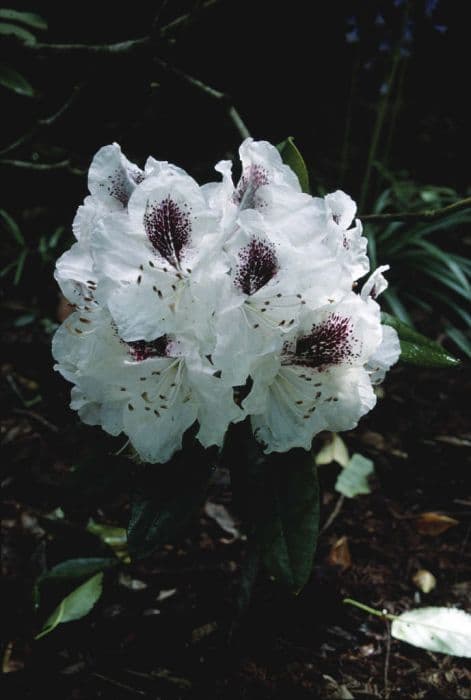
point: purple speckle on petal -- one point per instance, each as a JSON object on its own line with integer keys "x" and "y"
{"x": 168, "y": 228}
{"x": 253, "y": 177}
{"x": 121, "y": 184}
{"x": 330, "y": 342}
{"x": 257, "y": 266}
{"x": 142, "y": 349}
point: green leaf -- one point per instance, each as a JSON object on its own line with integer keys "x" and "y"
{"x": 405, "y": 332}
{"x": 423, "y": 356}
{"x": 418, "y": 350}
{"x": 12, "y": 227}
{"x": 25, "y": 320}
{"x": 74, "y": 606}
{"x": 353, "y": 479}
{"x": 20, "y": 266}
{"x": 292, "y": 157}
{"x": 446, "y": 630}
{"x": 460, "y": 339}
{"x": 12, "y": 80}
{"x": 396, "y": 306}
{"x": 18, "y": 32}
{"x": 73, "y": 568}
{"x": 166, "y": 502}
{"x": 288, "y": 522}
{"x": 78, "y": 568}
{"x": 31, "y": 19}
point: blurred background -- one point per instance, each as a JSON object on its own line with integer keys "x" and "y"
{"x": 375, "y": 95}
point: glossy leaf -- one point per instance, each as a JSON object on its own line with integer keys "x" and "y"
{"x": 418, "y": 350}
{"x": 78, "y": 568}
{"x": 76, "y": 605}
{"x": 423, "y": 356}
{"x": 292, "y": 157}
{"x": 288, "y": 522}
{"x": 166, "y": 502}
{"x": 14, "y": 81}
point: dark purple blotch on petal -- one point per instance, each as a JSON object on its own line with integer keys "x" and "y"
{"x": 330, "y": 342}
{"x": 143, "y": 349}
{"x": 168, "y": 228}
{"x": 258, "y": 264}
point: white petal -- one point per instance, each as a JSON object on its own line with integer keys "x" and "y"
{"x": 193, "y": 220}
{"x": 74, "y": 273}
{"x": 157, "y": 438}
{"x": 264, "y": 157}
{"x": 300, "y": 404}
{"x": 216, "y": 405}
{"x": 112, "y": 177}
{"x": 386, "y": 355}
{"x": 87, "y": 217}
{"x": 375, "y": 284}
{"x": 341, "y": 207}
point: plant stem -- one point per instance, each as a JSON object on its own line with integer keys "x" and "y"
{"x": 426, "y": 215}
{"x": 395, "y": 112}
{"x": 377, "y": 129}
{"x": 348, "y": 123}
{"x": 379, "y": 613}
{"x": 210, "y": 91}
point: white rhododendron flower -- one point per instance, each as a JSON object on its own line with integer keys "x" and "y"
{"x": 189, "y": 298}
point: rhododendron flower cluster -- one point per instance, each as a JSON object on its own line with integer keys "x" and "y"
{"x": 209, "y": 304}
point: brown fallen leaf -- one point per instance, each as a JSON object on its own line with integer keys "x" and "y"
{"x": 339, "y": 554}
{"x": 424, "y": 580}
{"x": 434, "y": 523}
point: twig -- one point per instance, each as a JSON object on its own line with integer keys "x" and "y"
{"x": 115, "y": 49}
{"x": 333, "y": 515}
{"x": 211, "y": 92}
{"x": 43, "y": 123}
{"x": 31, "y": 165}
{"x": 118, "y": 684}
{"x": 427, "y": 215}
{"x": 183, "y": 19}
{"x": 387, "y": 660}
{"x": 37, "y": 417}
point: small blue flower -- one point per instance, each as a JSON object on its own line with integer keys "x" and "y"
{"x": 352, "y": 37}
{"x": 408, "y": 34}
{"x": 430, "y": 7}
